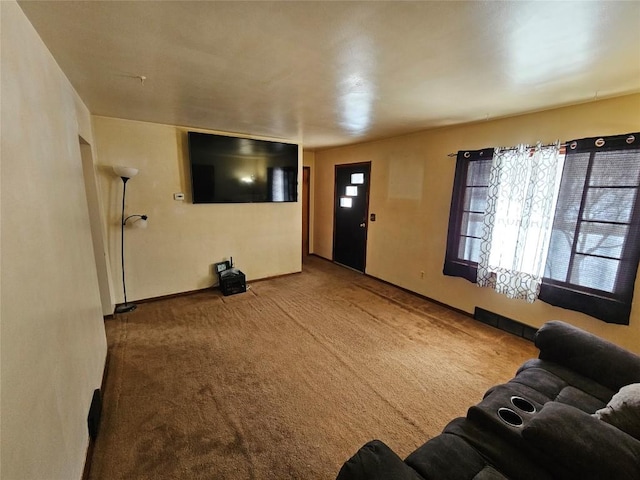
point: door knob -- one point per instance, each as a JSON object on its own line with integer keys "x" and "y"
{"x": 363, "y": 225}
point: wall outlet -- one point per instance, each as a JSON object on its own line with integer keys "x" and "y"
{"x": 178, "y": 196}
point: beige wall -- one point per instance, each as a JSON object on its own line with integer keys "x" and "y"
{"x": 53, "y": 342}
{"x": 411, "y": 182}
{"x": 182, "y": 242}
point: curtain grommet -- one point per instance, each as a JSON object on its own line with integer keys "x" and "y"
{"x": 573, "y": 145}
{"x": 631, "y": 139}
{"x": 600, "y": 142}
{"x": 466, "y": 155}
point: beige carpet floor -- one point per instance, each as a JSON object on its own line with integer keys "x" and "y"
{"x": 288, "y": 380}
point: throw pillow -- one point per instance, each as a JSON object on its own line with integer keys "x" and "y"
{"x": 623, "y": 410}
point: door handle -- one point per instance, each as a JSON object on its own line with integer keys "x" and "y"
{"x": 363, "y": 225}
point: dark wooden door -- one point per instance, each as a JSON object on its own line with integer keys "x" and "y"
{"x": 351, "y": 206}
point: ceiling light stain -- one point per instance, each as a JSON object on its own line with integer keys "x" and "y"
{"x": 356, "y": 87}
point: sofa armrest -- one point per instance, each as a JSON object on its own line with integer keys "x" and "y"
{"x": 587, "y": 354}
{"x": 376, "y": 461}
{"x": 582, "y": 444}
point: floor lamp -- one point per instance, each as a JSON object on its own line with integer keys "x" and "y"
{"x": 125, "y": 173}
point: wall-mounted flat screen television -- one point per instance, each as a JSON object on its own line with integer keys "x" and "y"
{"x": 242, "y": 170}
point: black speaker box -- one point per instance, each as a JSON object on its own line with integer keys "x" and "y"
{"x": 232, "y": 281}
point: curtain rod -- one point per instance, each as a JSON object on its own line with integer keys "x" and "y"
{"x": 515, "y": 148}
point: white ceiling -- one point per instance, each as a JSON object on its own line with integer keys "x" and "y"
{"x": 334, "y": 73}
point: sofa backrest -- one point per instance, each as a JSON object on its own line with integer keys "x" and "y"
{"x": 587, "y": 354}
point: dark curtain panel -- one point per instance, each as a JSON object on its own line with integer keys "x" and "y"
{"x": 291, "y": 184}
{"x": 468, "y": 202}
{"x": 595, "y": 242}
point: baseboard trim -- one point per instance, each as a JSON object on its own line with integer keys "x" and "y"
{"x": 421, "y": 296}
{"x": 87, "y": 463}
{"x": 488, "y": 318}
{"x": 199, "y": 290}
{"x": 484, "y": 316}
{"x": 282, "y": 275}
{"x": 321, "y": 257}
{"x": 173, "y": 295}
{"x": 416, "y": 294}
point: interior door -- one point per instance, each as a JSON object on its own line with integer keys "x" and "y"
{"x": 306, "y": 184}
{"x": 351, "y": 206}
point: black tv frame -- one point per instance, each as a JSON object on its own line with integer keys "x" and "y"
{"x": 229, "y": 169}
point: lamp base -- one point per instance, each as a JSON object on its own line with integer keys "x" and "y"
{"x": 126, "y": 307}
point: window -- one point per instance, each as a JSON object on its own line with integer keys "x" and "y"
{"x": 595, "y": 241}
{"x": 282, "y": 183}
{"x": 518, "y": 219}
{"x": 467, "y": 209}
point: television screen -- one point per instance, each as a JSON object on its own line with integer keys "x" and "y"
{"x": 242, "y": 170}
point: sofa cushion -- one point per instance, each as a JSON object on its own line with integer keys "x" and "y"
{"x": 623, "y": 410}
{"x": 575, "y": 397}
{"x": 521, "y": 389}
{"x": 376, "y": 461}
{"x": 560, "y": 384}
{"x": 506, "y": 456}
{"x": 449, "y": 456}
{"x": 584, "y": 446}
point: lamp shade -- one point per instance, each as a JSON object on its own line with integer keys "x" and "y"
{"x": 126, "y": 172}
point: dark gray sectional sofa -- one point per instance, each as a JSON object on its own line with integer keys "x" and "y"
{"x": 539, "y": 425}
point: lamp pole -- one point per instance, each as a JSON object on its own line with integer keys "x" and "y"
{"x": 125, "y": 173}
{"x": 125, "y": 307}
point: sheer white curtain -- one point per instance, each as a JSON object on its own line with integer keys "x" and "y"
{"x": 521, "y": 201}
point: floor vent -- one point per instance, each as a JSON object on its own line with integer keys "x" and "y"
{"x": 504, "y": 323}
{"x": 95, "y": 411}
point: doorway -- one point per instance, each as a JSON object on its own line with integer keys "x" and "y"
{"x": 351, "y": 207}
{"x": 306, "y": 183}
{"x": 97, "y": 233}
